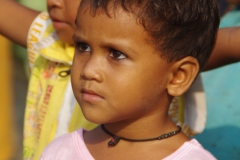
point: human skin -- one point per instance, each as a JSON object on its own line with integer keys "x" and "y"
{"x": 16, "y": 24}
{"x": 15, "y": 21}
{"x": 63, "y": 14}
{"x": 226, "y": 50}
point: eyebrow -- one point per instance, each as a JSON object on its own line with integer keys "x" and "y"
{"x": 121, "y": 45}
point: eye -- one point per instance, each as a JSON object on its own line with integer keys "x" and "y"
{"x": 114, "y": 54}
{"x": 83, "y": 47}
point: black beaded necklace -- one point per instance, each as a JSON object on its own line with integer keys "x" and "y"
{"x": 115, "y": 139}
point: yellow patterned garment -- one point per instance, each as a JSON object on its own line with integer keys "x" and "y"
{"x": 51, "y": 107}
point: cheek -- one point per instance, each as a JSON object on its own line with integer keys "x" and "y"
{"x": 74, "y": 79}
{"x": 75, "y": 72}
{"x": 148, "y": 86}
{"x": 79, "y": 61}
{"x": 71, "y": 13}
{"x": 65, "y": 37}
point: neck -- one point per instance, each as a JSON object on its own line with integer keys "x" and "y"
{"x": 142, "y": 128}
{"x": 115, "y": 138}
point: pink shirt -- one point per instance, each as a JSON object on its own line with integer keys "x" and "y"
{"x": 72, "y": 146}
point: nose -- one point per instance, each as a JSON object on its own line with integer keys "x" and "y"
{"x": 54, "y": 3}
{"x": 93, "y": 69}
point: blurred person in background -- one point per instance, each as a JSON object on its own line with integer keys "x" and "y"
{"x": 50, "y": 99}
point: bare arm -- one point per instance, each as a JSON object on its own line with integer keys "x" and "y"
{"x": 227, "y": 48}
{"x": 15, "y": 21}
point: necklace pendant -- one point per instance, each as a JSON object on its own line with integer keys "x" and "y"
{"x": 114, "y": 141}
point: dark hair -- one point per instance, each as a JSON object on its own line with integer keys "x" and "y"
{"x": 178, "y": 28}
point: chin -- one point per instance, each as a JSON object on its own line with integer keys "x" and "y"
{"x": 94, "y": 119}
{"x": 98, "y": 118}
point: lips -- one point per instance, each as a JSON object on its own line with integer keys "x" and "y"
{"x": 90, "y": 96}
{"x": 57, "y": 23}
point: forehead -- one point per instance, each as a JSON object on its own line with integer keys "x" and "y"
{"x": 117, "y": 23}
{"x": 112, "y": 13}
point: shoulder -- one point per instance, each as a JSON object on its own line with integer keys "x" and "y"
{"x": 64, "y": 147}
{"x": 191, "y": 150}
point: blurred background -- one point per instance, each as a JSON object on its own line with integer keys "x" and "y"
{"x": 222, "y": 132}
{"x": 13, "y": 90}
{"x": 221, "y": 135}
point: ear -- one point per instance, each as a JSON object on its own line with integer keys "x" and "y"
{"x": 182, "y": 76}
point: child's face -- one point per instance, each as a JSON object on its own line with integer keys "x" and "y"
{"x": 116, "y": 74}
{"x": 63, "y": 14}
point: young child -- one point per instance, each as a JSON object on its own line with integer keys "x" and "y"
{"x": 51, "y": 108}
{"x": 131, "y": 58}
